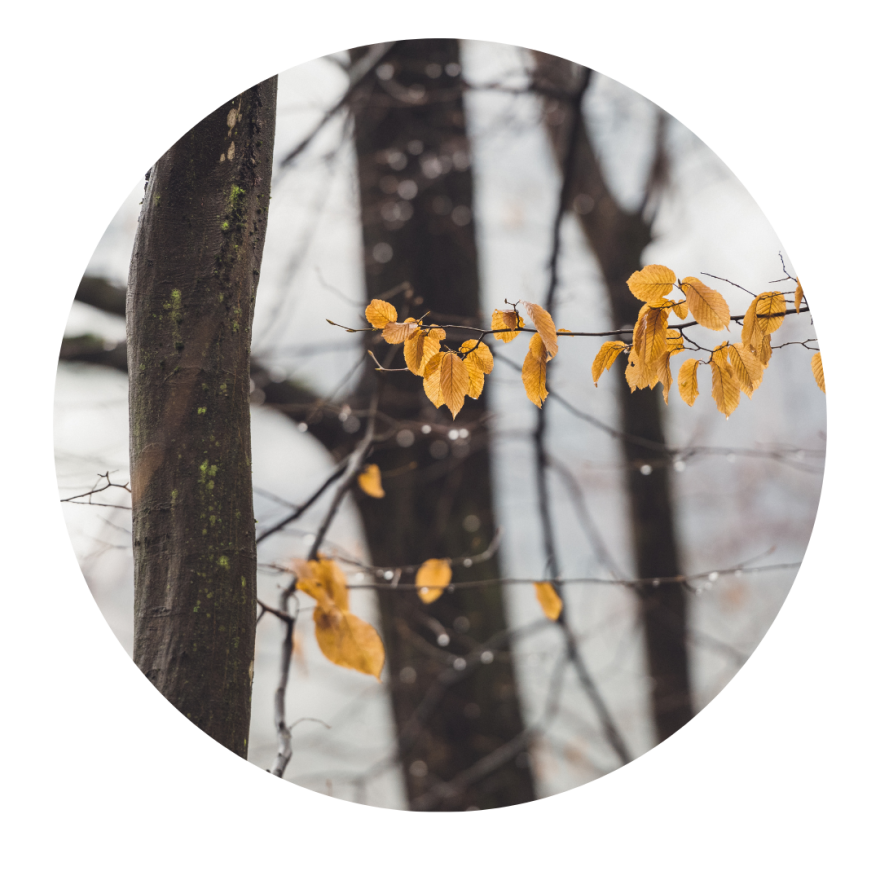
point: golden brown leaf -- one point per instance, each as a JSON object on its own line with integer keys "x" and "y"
{"x": 476, "y": 378}
{"x": 798, "y": 296}
{"x": 649, "y": 334}
{"x": 680, "y": 309}
{"x": 751, "y": 332}
{"x": 331, "y": 579}
{"x": 379, "y": 313}
{"x": 768, "y": 304}
{"x": 664, "y": 375}
{"x": 432, "y": 381}
{"x": 421, "y": 347}
{"x": 747, "y": 369}
{"x": 674, "y": 341}
{"x": 687, "y": 381}
{"x": 638, "y": 374}
{"x": 719, "y": 354}
{"x": 370, "y": 481}
{"x": 395, "y": 333}
{"x": 540, "y": 317}
{"x": 454, "y": 381}
{"x": 534, "y": 377}
{"x": 538, "y": 349}
{"x": 548, "y": 599}
{"x": 432, "y": 578}
{"x": 481, "y": 355}
{"x": 764, "y": 351}
{"x": 725, "y": 391}
{"x": 818, "y": 372}
{"x": 348, "y": 641}
{"x": 509, "y": 321}
{"x": 608, "y": 353}
{"x": 707, "y": 306}
{"x": 652, "y": 283}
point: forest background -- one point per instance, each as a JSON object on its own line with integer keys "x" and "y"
{"x": 732, "y": 507}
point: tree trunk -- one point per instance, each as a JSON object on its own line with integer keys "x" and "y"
{"x": 189, "y": 308}
{"x": 618, "y": 238}
{"x": 416, "y": 191}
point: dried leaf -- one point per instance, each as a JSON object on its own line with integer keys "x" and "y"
{"x": 649, "y": 335}
{"x": 707, "y": 306}
{"x": 395, "y": 333}
{"x": 638, "y": 374}
{"x": 767, "y": 304}
{"x": 539, "y": 350}
{"x": 725, "y": 391}
{"x": 674, "y": 341}
{"x": 764, "y": 351}
{"x": 751, "y": 332}
{"x": 509, "y": 321}
{"x": 421, "y": 347}
{"x": 681, "y": 310}
{"x": 431, "y": 382}
{"x": 818, "y": 372}
{"x": 548, "y": 599}
{"x": 798, "y": 296}
{"x": 348, "y": 641}
{"x": 664, "y": 375}
{"x": 719, "y": 354}
{"x": 544, "y": 325}
{"x": 379, "y": 313}
{"x": 454, "y": 381}
{"x": 747, "y": 369}
{"x": 432, "y": 578}
{"x": 534, "y": 377}
{"x": 370, "y": 481}
{"x": 687, "y": 381}
{"x": 478, "y": 352}
{"x": 652, "y": 283}
{"x": 331, "y": 579}
{"x": 608, "y": 353}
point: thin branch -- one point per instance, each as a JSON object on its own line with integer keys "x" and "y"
{"x": 282, "y": 758}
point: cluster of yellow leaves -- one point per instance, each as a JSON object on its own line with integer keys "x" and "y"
{"x": 737, "y": 367}
{"x": 343, "y": 638}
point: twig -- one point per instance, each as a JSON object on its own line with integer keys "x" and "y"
{"x": 282, "y": 758}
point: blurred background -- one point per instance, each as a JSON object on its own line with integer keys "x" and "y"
{"x": 440, "y": 163}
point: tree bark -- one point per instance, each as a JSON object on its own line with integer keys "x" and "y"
{"x": 416, "y": 191}
{"x": 617, "y": 238}
{"x": 189, "y": 309}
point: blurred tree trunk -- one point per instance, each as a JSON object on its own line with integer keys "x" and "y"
{"x": 189, "y": 309}
{"x": 618, "y": 237}
{"x": 416, "y": 191}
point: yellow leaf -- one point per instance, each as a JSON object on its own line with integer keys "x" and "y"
{"x": 348, "y": 641}
{"x": 432, "y": 381}
{"x": 479, "y": 353}
{"x": 674, "y": 341}
{"x": 719, "y": 354}
{"x": 652, "y": 283}
{"x": 534, "y": 377}
{"x": 608, "y": 353}
{"x": 454, "y": 381}
{"x": 649, "y": 335}
{"x": 549, "y": 599}
{"x": 751, "y": 332}
{"x": 680, "y": 309}
{"x": 725, "y": 391}
{"x": 421, "y": 347}
{"x": 379, "y": 313}
{"x": 767, "y": 304}
{"x": 509, "y": 321}
{"x": 476, "y": 378}
{"x": 708, "y": 306}
{"x": 330, "y": 578}
{"x": 818, "y": 372}
{"x": 747, "y": 369}
{"x": 764, "y": 351}
{"x": 538, "y": 349}
{"x": 370, "y": 481}
{"x": 638, "y": 374}
{"x": 798, "y": 296}
{"x": 687, "y": 381}
{"x": 395, "y": 333}
{"x": 432, "y": 578}
{"x": 664, "y": 375}
{"x": 544, "y": 325}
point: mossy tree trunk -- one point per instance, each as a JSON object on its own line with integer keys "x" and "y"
{"x": 189, "y": 308}
{"x": 618, "y": 238}
{"x": 416, "y": 190}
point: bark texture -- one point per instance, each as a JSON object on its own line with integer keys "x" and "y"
{"x": 618, "y": 237}
{"x": 416, "y": 190}
{"x": 189, "y": 309}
